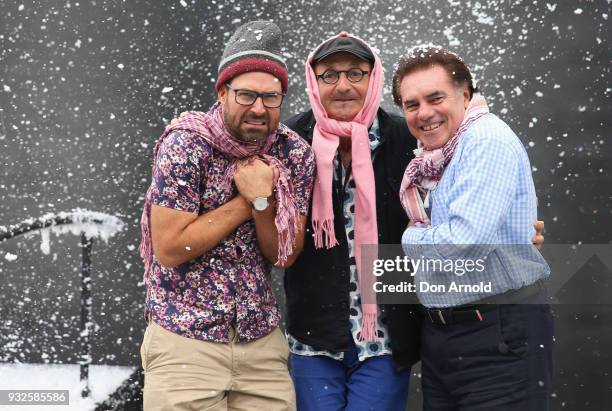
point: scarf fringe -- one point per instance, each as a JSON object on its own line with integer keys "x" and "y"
{"x": 287, "y": 213}
{"x": 324, "y": 227}
{"x": 368, "y": 327}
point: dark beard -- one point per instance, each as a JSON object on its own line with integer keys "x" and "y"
{"x": 235, "y": 132}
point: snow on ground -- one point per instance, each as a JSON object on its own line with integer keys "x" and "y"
{"x": 103, "y": 380}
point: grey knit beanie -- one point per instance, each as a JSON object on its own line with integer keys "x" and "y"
{"x": 255, "y": 46}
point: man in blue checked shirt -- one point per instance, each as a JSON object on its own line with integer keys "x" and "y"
{"x": 487, "y": 334}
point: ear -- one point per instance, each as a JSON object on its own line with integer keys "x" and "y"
{"x": 221, "y": 94}
{"x": 466, "y": 97}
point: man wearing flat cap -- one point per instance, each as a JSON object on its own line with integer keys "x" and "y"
{"x": 228, "y": 200}
{"x": 341, "y": 341}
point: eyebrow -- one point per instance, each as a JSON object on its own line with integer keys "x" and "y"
{"x": 430, "y": 95}
{"x": 435, "y": 94}
{"x": 256, "y": 92}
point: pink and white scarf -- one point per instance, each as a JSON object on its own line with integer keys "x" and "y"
{"x": 326, "y": 138}
{"x": 211, "y": 128}
{"x": 427, "y": 167}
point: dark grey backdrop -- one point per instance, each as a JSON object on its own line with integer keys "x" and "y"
{"x": 85, "y": 91}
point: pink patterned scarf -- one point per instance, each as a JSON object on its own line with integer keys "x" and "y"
{"x": 426, "y": 168}
{"x": 326, "y": 138}
{"x": 211, "y": 127}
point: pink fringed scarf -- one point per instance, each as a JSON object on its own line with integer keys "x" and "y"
{"x": 426, "y": 168}
{"x": 326, "y": 138}
{"x": 211, "y": 127}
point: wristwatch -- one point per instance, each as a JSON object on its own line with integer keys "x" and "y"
{"x": 260, "y": 203}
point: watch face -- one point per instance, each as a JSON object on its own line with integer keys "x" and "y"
{"x": 260, "y": 203}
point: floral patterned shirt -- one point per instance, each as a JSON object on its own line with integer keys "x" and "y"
{"x": 228, "y": 286}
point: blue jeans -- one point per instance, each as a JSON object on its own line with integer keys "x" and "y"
{"x": 325, "y": 384}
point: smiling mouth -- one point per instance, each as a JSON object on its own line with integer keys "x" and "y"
{"x": 430, "y": 127}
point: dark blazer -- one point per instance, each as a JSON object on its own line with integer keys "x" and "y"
{"x": 317, "y": 284}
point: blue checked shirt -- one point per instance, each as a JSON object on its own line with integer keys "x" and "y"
{"x": 483, "y": 208}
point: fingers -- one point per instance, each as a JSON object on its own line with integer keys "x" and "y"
{"x": 539, "y": 226}
{"x": 538, "y": 241}
{"x": 254, "y": 178}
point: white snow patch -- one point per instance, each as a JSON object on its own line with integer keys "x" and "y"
{"x": 103, "y": 380}
{"x": 45, "y": 241}
{"x": 91, "y": 223}
{"x": 450, "y": 36}
{"x": 6, "y": 88}
{"x": 578, "y": 11}
{"x": 10, "y": 257}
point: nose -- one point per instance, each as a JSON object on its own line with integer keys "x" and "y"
{"x": 426, "y": 112}
{"x": 258, "y": 107}
{"x": 343, "y": 83}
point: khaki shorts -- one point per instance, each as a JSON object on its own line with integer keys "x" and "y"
{"x": 188, "y": 374}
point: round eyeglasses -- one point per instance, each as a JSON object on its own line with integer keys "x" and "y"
{"x": 248, "y": 97}
{"x": 353, "y": 75}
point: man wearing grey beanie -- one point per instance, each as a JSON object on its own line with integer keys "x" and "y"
{"x": 228, "y": 200}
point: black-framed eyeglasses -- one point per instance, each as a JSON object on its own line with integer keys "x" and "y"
{"x": 249, "y": 97}
{"x": 353, "y": 75}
